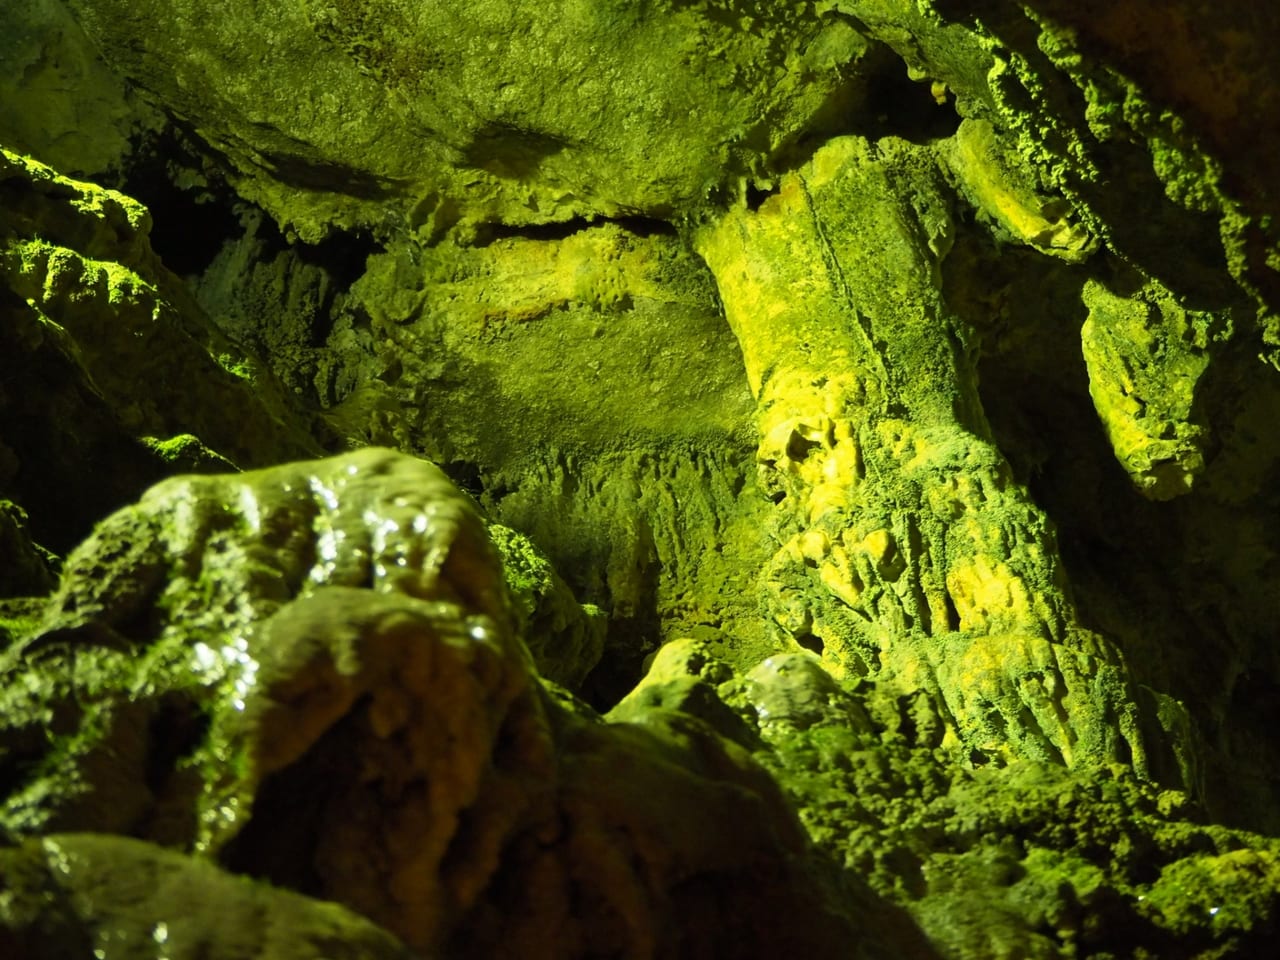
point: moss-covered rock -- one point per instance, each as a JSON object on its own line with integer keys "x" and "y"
{"x": 73, "y": 895}
{"x": 566, "y": 638}
{"x": 1146, "y": 356}
{"x": 107, "y": 358}
{"x": 27, "y": 567}
{"x": 311, "y": 674}
{"x": 908, "y": 551}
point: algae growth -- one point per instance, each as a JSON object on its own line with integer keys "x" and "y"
{"x": 693, "y": 479}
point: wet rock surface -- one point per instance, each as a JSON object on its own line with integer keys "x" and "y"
{"x": 310, "y": 674}
{"x": 92, "y": 895}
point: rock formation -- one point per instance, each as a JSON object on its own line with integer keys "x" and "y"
{"x": 645, "y": 478}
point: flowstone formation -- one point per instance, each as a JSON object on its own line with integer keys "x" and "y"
{"x": 915, "y": 558}
{"x": 310, "y": 674}
{"x": 723, "y": 479}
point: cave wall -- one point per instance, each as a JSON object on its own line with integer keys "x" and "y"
{"x": 860, "y": 413}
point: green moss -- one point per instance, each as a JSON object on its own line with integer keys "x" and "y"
{"x": 186, "y": 452}
{"x": 528, "y": 573}
{"x": 565, "y": 638}
{"x": 238, "y": 366}
{"x": 60, "y": 716}
{"x": 87, "y": 895}
{"x": 14, "y": 628}
{"x": 1218, "y": 900}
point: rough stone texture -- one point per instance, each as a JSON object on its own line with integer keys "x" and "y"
{"x": 566, "y": 638}
{"x": 311, "y": 674}
{"x": 63, "y": 105}
{"x": 108, "y": 362}
{"x": 26, "y": 566}
{"x": 393, "y": 114}
{"x": 633, "y": 480}
{"x": 1025, "y": 861}
{"x": 892, "y": 382}
{"x": 906, "y": 550}
{"x": 70, "y": 895}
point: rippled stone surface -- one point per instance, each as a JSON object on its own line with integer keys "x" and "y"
{"x": 312, "y": 674}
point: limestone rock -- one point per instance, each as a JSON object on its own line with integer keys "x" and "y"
{"x": 395, "y": 113}
{"x": 906, "y": 549}
{"x": 1146, "y": 357}
{"x": 311, "y": 674}
{"x": 87, "y": 895}
{"x": 105, "y": 352}
{"x": 996, "y": 182}
{"x": 897, "y": 379}
{"x": 63, "y": 105}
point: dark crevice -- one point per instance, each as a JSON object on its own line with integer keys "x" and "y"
{"x": 953, "y": 615}
{"x": 342, "y": 257}
{"x": 811, "y": 642}
{"x": 756, "y": 196}
{"x": 623, "y": 664}
{"x": 189, "y": 225}
{"x": 629, "y": 641}
{"x": 880, "y": 100}
{"x": 915, "y": 110}
{"x": 328, "y": 177}
{"x": 175, "y": 731}
{"x": 799, "y": 447}
{"x": 192, "y": 225}
{"x": 489, "y": 233}
{"x": 466, "y": 476}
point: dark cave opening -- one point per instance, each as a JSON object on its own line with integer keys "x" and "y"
{"x": 192, "y": 227}
{"x": 880, "y": 100}
{"x": 811, "y": 642}
{"x": 330, "y": 267}
{"x": 918, "y": 111}
{"x": 189, "y": 225}
{"x": 757, "y": 195}
{"x": 342, "y": 255}
{"x": 627, "y": 647}
{"x": 466, "y": 475}
{"x": 1128, "y": 561}
{"x": 295, "y": 807}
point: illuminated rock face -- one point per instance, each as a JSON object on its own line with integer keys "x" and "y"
{"x": 912, "y": 556}
{"x": 396, "y": 113}
{"x": 865, "y": 413}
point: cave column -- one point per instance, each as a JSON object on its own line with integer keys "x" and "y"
{"x": 907, "y": 554}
